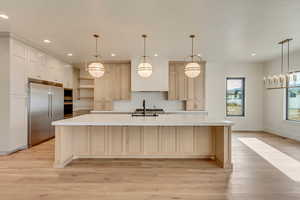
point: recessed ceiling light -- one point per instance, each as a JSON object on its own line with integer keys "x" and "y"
{"x": 253, "y": 54}
{"x": 3, "y": 16}
{"x": 156, "y": 55}
{"x": 47, "y": 41}
{"x": 70, "y": 54}
{"x": 113, "y": 55}
{"x": 199, "y": 55}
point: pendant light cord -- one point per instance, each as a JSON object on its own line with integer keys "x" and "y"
{"x": 192, "y": 49}
{"x": 144, "y": 57}
{"x": 144, "y": 48}
{"x": 96, "y": 40}
{"x": 96, "y": 47}
{"x": 288, "y": 56}
{"x": 281, "y": 58}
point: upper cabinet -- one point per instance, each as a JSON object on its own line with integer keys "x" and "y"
{"x": 36, "y": 64}
{"x": 114, "y": 85}
{"x": 55, "y": 70}
{"x": 18, "y": 67}
{"x": 27, "y": 62}
{"x": 190, "y": 90}
{"x": 68, "y": 77}
{"x": 158, "y": 81}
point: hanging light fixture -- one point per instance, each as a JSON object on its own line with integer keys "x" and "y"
{"x": 144, "y": 69}
{"x": 290, "y": 76}
{"x": 193, "y": 69}
{"x": 281, "y": 80}
{"x": 96, "y": 68}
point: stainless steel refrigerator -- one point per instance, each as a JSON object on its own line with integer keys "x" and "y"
{"x": 46, "y": 104}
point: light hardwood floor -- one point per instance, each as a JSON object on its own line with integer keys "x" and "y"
{"x": 28, "y": 175}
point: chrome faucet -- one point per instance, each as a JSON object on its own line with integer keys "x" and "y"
{"x": 144, "y": 107}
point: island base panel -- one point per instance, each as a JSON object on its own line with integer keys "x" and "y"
{"x": 74, "y": 142}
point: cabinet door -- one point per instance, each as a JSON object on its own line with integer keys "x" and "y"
{"x": 36, "y": 63}
{"x": 182, "y": 82}
{"x": 116, "y": 140}
{"x": 68, "y": 77}
{"x": 191, "y": 90}
{"x": 55, "y": 70}
{"x": 18, "y": 69}
{"x": 125, "y": 81}
{"x": 75, "y": 83}
{"x": 151, "y": 139}
{"x": 178, "y": 82}
{"x": 81, "y": 141}
{"x": 134, "y": 140}
{"x": 104, "y": 86}
{"x": 98, "y": 140}
{"x": 116, "y": 79}
{"x": 167, "y": 140}
{"x": 172, "y": 93}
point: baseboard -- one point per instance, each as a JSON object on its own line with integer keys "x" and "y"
{"x": 247, "y": 131}
{"x": 3, "y": 153}
{"x": 273, "y": 132}
{"x": 146, "y": 156}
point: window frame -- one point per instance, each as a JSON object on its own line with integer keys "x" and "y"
{"x": 243, "y": 79}
{"x": 287, "y": 101}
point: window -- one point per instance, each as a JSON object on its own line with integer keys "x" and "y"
{"x": 235, "y": 97}
{"x": 293, "y": 99}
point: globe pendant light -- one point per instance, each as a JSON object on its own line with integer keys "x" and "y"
{"x": 192, "y": 69}
{"x": 144, "y": 69}
{"x": 96, "y": 68}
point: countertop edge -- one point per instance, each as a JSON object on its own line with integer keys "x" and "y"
{"x": 144, "y": 124}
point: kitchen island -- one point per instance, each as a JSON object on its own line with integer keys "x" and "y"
{"x": 123, "y": 136}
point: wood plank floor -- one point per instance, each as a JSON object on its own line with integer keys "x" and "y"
{"x": 28, "y": 175}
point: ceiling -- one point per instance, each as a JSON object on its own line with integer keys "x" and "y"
{"x": 226, "y": 30}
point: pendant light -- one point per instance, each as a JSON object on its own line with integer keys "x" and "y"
{"x": 281, "y": 80}
{"x": 144, "y": 69}
{"x": 291, "y": 76}
{"x": 192, "y": 69}
{"x": 96, "y": 68}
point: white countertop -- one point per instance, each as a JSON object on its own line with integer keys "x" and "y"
{"x": 128, "y": 120}
{"x": 166, "y": 112}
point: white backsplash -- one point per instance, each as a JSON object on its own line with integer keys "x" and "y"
{"x": 153, "y": 99}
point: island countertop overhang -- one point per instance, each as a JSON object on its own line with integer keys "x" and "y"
{"x": 128, "y": 120}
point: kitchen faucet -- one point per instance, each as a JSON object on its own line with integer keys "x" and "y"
{"x": 144, "y": 107}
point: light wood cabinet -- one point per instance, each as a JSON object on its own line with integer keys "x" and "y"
{"x": 75, "y": 84}
{"x": 190, "y": 90}
{"x": 208, "y": 142}
{"x": 125, "y": 82}
{"x": 114, "y": 85}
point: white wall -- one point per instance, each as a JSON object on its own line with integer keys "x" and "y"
{"x": 274, "y": 103}
{"x": 216, "y": 74}
{"x": 4, "y": 93}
